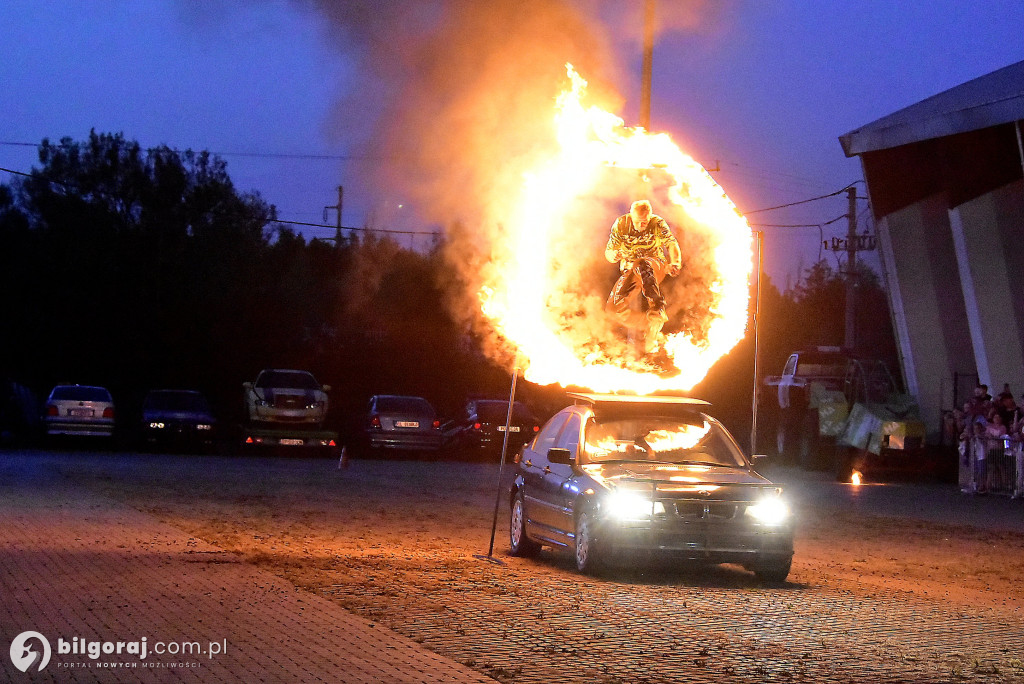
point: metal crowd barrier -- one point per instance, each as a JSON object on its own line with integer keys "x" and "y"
{"x": 992, "y": 465}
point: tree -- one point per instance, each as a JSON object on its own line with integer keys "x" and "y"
{"x": 125, "y": 260}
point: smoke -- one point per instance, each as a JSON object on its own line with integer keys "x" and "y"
{"x": 453, "y": 104}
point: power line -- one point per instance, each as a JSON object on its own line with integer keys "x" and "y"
{"x": 793, "y": 204}
{"x": 270, "y": 155}
{"x": 367, "y": 229}
{"x": 294, "y": 223}
{"x": 18, "y": 173}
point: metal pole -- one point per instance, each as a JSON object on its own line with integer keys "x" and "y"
{"x": 504, "y": 450}
{"x": 1020, "y": 145}
{"x": 337, "y": 232}
{"x": 851, "y": 267}
{"x": 757, "y": 313}
{"x": 645, "y": 82}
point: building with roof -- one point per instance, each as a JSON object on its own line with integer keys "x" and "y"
{"x": 945, "y": 178}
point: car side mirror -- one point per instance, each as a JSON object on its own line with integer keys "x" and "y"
{"x": 560, "y": 456}
{"x": 326, "y": 388}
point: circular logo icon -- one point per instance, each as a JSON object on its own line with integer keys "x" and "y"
{"x": 24, "y": 653}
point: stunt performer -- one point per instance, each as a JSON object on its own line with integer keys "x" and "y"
{"x": 646, "y": 250}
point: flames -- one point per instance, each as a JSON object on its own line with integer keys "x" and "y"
{"x": 681, "y": 438}
{"x": 540, "y": 295}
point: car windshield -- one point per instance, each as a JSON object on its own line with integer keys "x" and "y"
{"x": 493, "y": 411}
{"x": 79, "y": 393}
{"x": 176, "y": 401}
{"x": 287, "y": 380}
{"x": 661, "y": 439}
{"x": 404, "y": 405}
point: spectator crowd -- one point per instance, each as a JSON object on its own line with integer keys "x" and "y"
{"x": 991, "y": 432}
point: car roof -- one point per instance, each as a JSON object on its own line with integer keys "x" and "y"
{"x": 613, "y": 405}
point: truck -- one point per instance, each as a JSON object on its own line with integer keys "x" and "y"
{"x": 286, "y": 409}
{"x": 844, "y": 412}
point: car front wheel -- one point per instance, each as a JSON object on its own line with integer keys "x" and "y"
{"x": 519, "y": 543}
{"x": 774, "y": 571}
{"x": 588, "y": 557}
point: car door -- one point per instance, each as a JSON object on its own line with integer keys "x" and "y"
{"x": 560, "y": 484}
{"x": 534, "y": 466}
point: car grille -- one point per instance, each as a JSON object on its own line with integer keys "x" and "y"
{"x": 289, "y": 401}
{"x": 703, "y": 522}
{"x": 703, "y": 510}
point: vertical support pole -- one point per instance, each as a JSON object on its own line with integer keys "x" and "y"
{"x": 759, "y": 236}
{"x": 337, "y": 231}
{"x": 504, "y": 450}
{"x": 851, "y": 268}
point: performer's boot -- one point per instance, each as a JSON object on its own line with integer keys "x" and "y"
{"x": 656, "y": 319}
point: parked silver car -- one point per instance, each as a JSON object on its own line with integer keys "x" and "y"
{"x": 79, "y": 410}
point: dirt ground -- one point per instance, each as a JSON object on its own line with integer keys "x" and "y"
{"x": 400, "y": 542}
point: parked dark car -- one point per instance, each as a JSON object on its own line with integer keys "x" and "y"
{"x": 482, "y": 425}
{"x": 401, "y": 422}
{"x": 620, "y": 478}
{"x": 179, "y": 418}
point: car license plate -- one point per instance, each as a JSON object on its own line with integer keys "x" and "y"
{"x": 513, "y": 428}
{"x": 293, "y": 442}
{"x": 82, "y": 412}
{"x": 407, "y": 423}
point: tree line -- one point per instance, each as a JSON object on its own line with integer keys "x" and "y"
{"x": 142, "y": 268}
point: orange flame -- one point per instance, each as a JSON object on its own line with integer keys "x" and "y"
{"x": 532, "y": 299}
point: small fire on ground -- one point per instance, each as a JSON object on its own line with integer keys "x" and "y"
{"x": 539, "y": 294}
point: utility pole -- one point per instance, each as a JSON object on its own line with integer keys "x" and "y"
{"x": 337, "y": 208}
{"x": 645, "y": 82}
{"x": 851, "y": 267}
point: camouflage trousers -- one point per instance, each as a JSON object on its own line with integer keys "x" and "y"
{"x": 647, "y": 274}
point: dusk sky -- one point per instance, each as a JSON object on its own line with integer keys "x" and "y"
{"x": 762, "y": 88}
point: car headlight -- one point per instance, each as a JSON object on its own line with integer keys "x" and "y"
{"x": 156, "y": 426}
{"x": 203, "y": 426}
{"x": 769, "y": 511}
{"x": 633, "y": 506}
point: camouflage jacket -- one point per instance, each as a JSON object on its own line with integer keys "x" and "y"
{"x": 631, "y": 244}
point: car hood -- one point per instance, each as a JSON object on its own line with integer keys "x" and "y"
{"x": 626, "y": 473}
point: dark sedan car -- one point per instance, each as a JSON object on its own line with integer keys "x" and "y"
{"x": 180, "y": 418}
{"x": 401, "y": 423}
{"x": 616, "y": 477}
{"x": 482, "y": 425}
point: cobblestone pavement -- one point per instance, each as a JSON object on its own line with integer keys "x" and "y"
{"x": 536, "y": 620}
{"x": 704, "y": 627}
{"x": 86, "y": 569}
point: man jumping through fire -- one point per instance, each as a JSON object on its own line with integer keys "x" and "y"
{"x": 646, "y": 250}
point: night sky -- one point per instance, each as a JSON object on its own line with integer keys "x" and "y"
{"x": 763, "y": 89}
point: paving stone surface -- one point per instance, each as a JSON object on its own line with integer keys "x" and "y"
{"x": 73, "y": 563}
{"x": 77, "y": 566}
